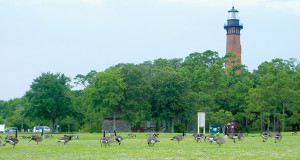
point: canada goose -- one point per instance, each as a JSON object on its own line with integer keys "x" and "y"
{"x": 240, "y": 136}
{"x": 271, "y": 134}
{"x": 235, "y": 136}
{"x": 118, "y": 138}
{"x": 105, "y": 140}
{"x": 153, "y": 135}
{"x": 152, "y": 140}
{"x": 197, "y": 137}
{"x": 211, "y": 138}
{"x": 179, "y": 137}
{"x": 48, "y": 136}
{"x": 65, "y": 139}
{"x": 294, "y": 133}
{"x": 218, "y": 134}
{"x": 278, "y": 136}
{"x": 75, "y": 137}
{"x": 38, "y": 138}
{"x": 221, "y": 140}
{"x": 8, "y": 137}
{"x": 131, "y": 135}
{"x": 207, "y": 137}
{"x": 265, "y": 136}
{"x": 12, "y": 140}
{"x": 246, "y": 134}
{"x": 200, "y": 135}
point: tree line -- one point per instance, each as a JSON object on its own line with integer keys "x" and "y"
{"x": 169, "y": 92}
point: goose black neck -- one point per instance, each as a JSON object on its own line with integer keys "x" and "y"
{"x": 16, "y": 133}
{"x": 42, "y": 132}
{"x": 103, "y": 133}
{"x": 115, "y": 132}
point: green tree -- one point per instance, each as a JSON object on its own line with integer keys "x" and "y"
{"x": 169, "y": 96}
{"x": 136, "y": 104}
{"x": 105, "y": 93}
{"x": 85, "y": 80}
{"x": 49, "y": 98}
{"x": 234, "y": 63}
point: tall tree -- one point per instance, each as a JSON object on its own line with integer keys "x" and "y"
{"x": 105, "y": 93}
{"x": 136, "y": 104}
{"x": 169, "y": 96}
{"x": 49, "y": 98}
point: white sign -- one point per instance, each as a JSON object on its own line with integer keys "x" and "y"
{"x": 2, "y": 128}
{"x": 201, "y": 119}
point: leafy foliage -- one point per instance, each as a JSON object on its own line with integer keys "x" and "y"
{"x": 168, "y": 92}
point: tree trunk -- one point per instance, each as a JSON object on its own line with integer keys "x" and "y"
{"x": 246, "y": 122}
{"x": 114, "y": 121}
{"x": 22, "y": 127}
{"x": 283, "y": 112}
{"x": 169, "y": 127}
{"x": 52, "y": 125}
{"x": 59, "y": 123}
{"x": 268, "y": 123}
{"x": 261, "y": 122}
{"x": 172, "y": 126}
{"x": 278, "y": 124}
{"x": 274, "y": 120}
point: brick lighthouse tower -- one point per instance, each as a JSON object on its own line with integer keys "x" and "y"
{"x": 233, "y": 28}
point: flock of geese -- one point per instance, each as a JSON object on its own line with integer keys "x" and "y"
{"x": 13, "y": 140}
{"x": 151, "y": 140}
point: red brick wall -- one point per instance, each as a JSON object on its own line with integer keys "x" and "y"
{"x": 234, "y": 46}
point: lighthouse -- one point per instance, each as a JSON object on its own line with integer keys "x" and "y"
{"x": 233, "y": 43}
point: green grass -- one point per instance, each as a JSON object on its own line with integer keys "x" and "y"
{"x": 88, "y": 147}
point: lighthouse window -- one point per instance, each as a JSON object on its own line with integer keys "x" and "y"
{"x": 233, "y": 15}
{"x": 234, "y": 30}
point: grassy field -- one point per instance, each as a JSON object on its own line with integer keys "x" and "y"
{"x": 88, "y": 147}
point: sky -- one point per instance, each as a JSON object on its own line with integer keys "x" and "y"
{"x": 77, "y": 36}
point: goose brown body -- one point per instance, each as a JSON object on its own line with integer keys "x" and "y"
{"x": 179, "y": 137}
{"x": 65, "y": 139}
{"x": 75, "y": 137}
{"x": 151, "y": 140}
{"x": 37, "y": 138}
{"x": 131, "y": 135}
{"x": 277, "y": 136}
{"x": 105, "y": 140}
{"x": 48, "y": 136}
{"x": 221, "y": 140}
{"x": 198, "y": 137}
{"x": 12, "y": 140}
{"x": 118, "y": 138}
{"x": 265, "y": 136}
